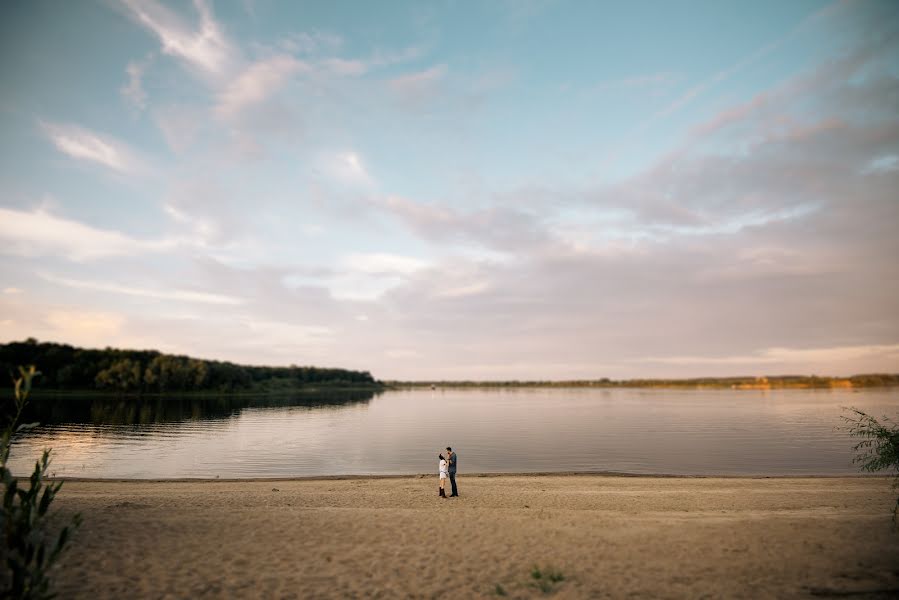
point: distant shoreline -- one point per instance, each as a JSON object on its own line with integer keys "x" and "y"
{"x": 766, "y": 384}
{"x": 606, "y": 474}
{"x": 737, "y": 383}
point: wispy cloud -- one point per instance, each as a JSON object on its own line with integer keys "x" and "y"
{"x": 180, "y": 126}
{"x": 651, "y": 80}
{"x": 420, "y": 86}
{"x": 787, "y": 356}
{"x": 133, "y": 91}
{"x": 418, "y": 81}
{"x": 723, "y": 75}
{"x": 144, "y": 292}
{"x": 354, "y": 67}
{"x": 347, "y": 168}
{"x": 499, "y": 227}
{"x": 82, "y": 144}
{"x": 38, "y": 233}
{"x": 204, "y": 47}
{"x": 257, "y": 83}
{"x": 312, "y": 42}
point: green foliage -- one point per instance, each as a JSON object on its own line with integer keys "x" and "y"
{"x": 28, "y": 549}
{"x": 878, "y": 448}
{"x": 68, "y": 368}
{"x": 123, "y": 375}
{"x": 500, "y": 590}
{"x": 545, "y": 580}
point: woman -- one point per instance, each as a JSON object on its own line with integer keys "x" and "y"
{"x": 442, "y": 467}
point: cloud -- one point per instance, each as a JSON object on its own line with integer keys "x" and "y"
{"x": 364, "y": 276}
{"x": 133, "y": 91}
{"x": 653, "y": 80}
{"x": 257, "y": 83}
{"x": 345, "y": 67}
{"x": 718, "y": 77}
{"x": 498, "y": 227}
{"x": 205, "y": 48}
{"x": 414, "y": 89}
{"x": 143, "y": 292}
{"x": 313, "y": 42}
{"x": 382, "y": 263}
{"x": 79, "y": 326}
{"x": 788, "y": 356}
{"x": 418, "y": 82}
{"x": 39, "y": 233}
{"x": 86, "y": 145}
{"x": 355, "y": 67}
{"x": 764, "y": 240}
{"x": 180, "y": 126}
{"x": 887, "y": 163}
{"x": 470, "y": 289}
{"x": 346, "y": 168}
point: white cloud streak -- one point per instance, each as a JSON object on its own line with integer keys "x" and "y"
{"x": 39, "y": 233}
{"x": 142, "y": 292}
{"x": 787, "y": 356}
{"x": 83, "y": 144}
{"x": 205, "y": 48}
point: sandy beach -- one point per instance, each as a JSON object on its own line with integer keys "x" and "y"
{"x": 604, "y": 536}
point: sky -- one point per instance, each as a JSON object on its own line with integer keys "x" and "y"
{"x": 456, "y": 190}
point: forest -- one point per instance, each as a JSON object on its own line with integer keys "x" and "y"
{"x": 65, "y": 367}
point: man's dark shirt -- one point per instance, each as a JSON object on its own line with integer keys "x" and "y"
{"x": 452, "y": 463}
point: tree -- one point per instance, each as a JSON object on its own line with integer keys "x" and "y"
{"x": 123, "y": 375}
{"x": 878, "y": 449}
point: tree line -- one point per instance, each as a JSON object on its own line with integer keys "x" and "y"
{"x": 65, "y": 367}
{"x": 770, "y": 382}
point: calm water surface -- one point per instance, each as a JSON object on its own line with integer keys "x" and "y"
{"x": 697, "y": 432}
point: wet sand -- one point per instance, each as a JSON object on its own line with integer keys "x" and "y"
{"x": 607, "y": 536}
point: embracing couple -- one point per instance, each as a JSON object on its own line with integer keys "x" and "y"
{"x": 448, "y": 466}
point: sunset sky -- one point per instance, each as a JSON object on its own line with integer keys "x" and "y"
{"x": 463, "y": 190}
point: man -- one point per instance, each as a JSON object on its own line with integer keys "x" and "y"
{"x": 451, "y": 458}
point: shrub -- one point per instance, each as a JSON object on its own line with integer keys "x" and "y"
{"x": 879, "y": 446}
{"x": 28, "y": 548}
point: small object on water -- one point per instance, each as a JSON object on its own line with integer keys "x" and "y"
{"x": 275, "y": 490}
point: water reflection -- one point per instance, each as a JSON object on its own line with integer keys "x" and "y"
{"x": 106, "y": 410}
{"x": 701, "y": 432}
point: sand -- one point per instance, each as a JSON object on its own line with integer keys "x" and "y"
{"x": 608, "y": 537}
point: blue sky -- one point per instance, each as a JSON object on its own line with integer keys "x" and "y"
{"x": 456, "y": 189}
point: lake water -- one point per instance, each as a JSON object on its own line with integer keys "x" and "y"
{"x": 695, "y": 432}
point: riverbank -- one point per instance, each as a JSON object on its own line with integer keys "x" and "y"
{"x": 598, "y": 536}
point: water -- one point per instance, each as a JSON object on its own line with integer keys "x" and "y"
{"x": 695, "y": 432}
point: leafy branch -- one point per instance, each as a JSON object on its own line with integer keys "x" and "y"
{"x": 878, "y": 445}
{"x": 28, "y": 549}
